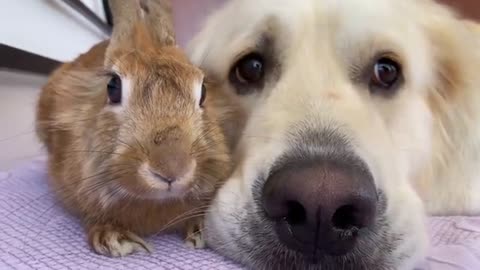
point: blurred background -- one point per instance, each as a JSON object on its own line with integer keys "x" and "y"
{"x": 37, "y": 35}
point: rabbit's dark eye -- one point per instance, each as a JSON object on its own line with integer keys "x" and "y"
{"x": 114, "y": 89}
{"x": 203, "y": 95}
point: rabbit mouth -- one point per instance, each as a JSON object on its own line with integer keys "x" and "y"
{"x": 160, "y": 187}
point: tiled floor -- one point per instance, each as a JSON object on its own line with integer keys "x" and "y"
{"x": 18, "y": 95}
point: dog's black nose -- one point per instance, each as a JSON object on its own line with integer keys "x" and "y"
{"x": 320, "y": 206}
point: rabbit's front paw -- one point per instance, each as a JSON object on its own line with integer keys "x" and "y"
{"x": 113, "y": 242}
{"x": 194, "y": 238}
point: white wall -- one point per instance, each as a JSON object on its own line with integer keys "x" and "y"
{"x": 52, "y": 29}
{"x": 18, "y": 96}
{"x": 47, "y": 27}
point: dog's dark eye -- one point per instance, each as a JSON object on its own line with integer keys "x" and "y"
{"x": 203, "y": 95}
{"x": 249, "y": 70}
{"x": 386, "y": 73}
{"x": 114, "y": 89}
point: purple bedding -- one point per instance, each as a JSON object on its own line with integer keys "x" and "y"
{"x": 35, "y": 233}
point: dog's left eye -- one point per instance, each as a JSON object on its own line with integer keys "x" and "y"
{"x": 385, "y": 74}
{"x": 248, "y": 73}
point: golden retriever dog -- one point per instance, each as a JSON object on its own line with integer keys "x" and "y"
{"x": 361, "y": 118}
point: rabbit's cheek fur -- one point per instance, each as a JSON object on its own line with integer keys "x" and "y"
{"x": 142, "y": 151}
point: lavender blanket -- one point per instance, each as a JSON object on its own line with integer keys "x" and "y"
{"x": 35, "y": 233}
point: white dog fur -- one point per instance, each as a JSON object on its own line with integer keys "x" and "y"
{"x": 422, "y": 144}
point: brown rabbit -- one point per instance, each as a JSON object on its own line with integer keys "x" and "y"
{"x": 134, "y": 145}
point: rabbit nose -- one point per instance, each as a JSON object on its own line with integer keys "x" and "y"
{"x": 159, "y": 176}
{"x": 170, "y": 161}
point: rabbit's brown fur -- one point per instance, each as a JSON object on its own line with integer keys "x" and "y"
{"x": 96, "y": 153}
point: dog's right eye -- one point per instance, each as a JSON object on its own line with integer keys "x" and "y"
{"x": 385, "y": 75}
{"x": 248, "y": 71}
{"x": 114, "y": 89}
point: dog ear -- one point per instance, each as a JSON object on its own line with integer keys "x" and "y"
{"x": 454, "y": 46}
{"x": 474, "y": 27}
{"x": 453, "y": 97}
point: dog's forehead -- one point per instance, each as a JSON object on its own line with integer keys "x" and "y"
{"x": 292, "y": 13}
{"x": 241, "y": 22}
{"x": 339, "y": 33}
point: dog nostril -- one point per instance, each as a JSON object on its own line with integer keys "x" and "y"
{"x": 296, "y": 214}
{"x": 346, "y": 218}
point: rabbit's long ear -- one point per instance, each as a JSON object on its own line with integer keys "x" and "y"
{"x": 141, "y": 22}
{"x": 159, "y": 20}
